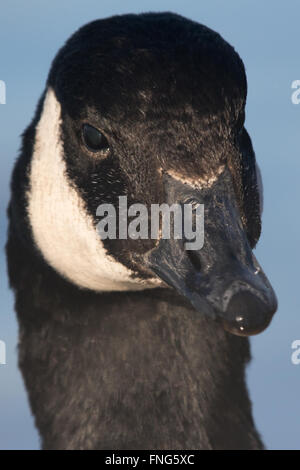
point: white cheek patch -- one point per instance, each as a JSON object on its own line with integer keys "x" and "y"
{"x": 62, "y": 229}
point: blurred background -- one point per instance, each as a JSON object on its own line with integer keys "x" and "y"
{"x": 266, "y": 35}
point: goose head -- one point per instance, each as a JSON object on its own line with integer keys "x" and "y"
{"x": 151, "y": 107}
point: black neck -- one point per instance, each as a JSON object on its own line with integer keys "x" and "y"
{"x": 126, "y": 371}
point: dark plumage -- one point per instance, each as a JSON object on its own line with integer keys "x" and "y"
{"x": 143, "y": 370}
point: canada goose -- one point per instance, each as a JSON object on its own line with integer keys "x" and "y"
{"x": 128, "y": 344}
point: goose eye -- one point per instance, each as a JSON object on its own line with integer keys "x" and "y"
{"x": 93, "y": 139}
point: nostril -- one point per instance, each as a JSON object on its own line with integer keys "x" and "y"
{"x": 194, "y": 258}
{"x": 246, "y": 314}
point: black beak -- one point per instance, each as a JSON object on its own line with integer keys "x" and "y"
{"x": 222, "y": 279}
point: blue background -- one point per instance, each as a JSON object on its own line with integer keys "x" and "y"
{"x": 266, "y": 35}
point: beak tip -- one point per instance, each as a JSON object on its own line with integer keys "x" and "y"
{"x": 248, "y": 315}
